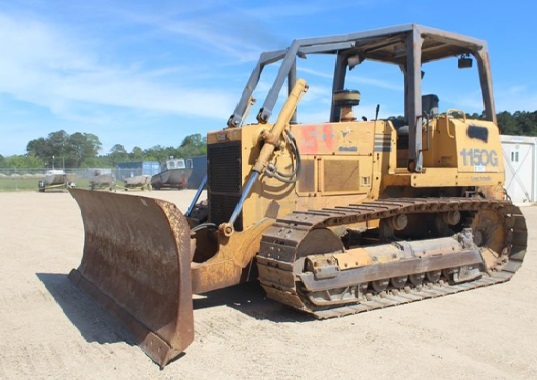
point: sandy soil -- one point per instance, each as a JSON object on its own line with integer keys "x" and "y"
{"x": 50, "y": 329}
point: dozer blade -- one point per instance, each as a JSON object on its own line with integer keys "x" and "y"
{"x": 136, "y": 263}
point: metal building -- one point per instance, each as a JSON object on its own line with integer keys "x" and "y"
{"x": 132, "y": 169}
{"x": 198, "y": 172}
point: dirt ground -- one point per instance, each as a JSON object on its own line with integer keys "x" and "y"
{"x": 50, "y": 329}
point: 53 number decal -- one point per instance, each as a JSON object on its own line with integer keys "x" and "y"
{"x": 479, "y": 157}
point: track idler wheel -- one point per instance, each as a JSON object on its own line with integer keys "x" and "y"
{"x": 417, "y": 279}
{"x": 399, "y": 282}
{"x": 433, "y": 276}
{"x": 380, "y": 286}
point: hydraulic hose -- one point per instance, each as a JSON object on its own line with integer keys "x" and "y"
{"x": 295, "y": 174}
{"x": 272, "y": 139}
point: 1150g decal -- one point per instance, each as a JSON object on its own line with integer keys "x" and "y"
{"x": 479, "y": 157}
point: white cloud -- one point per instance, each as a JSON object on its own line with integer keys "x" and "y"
{"x": 219, "y": 29}
{"x": 210, "y": 39}
{"x": 106, "y": 68}
{"x": 43, "y": 66}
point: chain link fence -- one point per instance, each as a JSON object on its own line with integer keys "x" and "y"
{"x": 14, "y": 179}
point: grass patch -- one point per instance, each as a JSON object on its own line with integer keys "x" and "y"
{"x": 18, "y": 184}
{"x": 30, "y": 184}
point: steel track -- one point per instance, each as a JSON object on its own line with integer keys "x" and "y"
{"x": 279, "y": 244}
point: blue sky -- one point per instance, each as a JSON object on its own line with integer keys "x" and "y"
{"x": 146, "y": 73}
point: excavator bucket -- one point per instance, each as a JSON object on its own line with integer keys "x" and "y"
{"x": 136, "y": 263}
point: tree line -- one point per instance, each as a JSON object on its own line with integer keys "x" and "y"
{"x": 79, "y": 150}
{"x": 520, "y": 123}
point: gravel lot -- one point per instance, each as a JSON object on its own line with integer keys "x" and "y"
{"x": 50, "y": 329}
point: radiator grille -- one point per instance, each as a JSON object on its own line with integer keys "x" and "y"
{"x": 224, "y": 181}
{"x": 341, "y": 176}
{"x": 306, "y": 182}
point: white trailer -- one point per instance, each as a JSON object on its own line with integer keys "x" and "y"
{"x": 520, "y": 161}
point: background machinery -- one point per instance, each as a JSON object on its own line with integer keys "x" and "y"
{"x": 175, "y": 173}
{"x": 333, "y": 217}
{"x": 55, "y": 179}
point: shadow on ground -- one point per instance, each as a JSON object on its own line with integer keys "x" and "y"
{"x": 93, "y": 322}
{"x": 250, "y": 299}
{"x": 97, "y": 325}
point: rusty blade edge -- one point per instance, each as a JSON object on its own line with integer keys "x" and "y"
{"x": 156, "y": 348}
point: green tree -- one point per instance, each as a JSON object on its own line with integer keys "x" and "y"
{"x": 99, "y": 162}
{"x": 63, "y": 149}
{"x": 24, "y": 161}
{"x": 118, "y": 154}
{"x": 82, "y": 147}
{"x": 526, "y": 122}
{"x": 193, "y": 146}
{"x": 39, "y": 148}
{"x": 507, "y": 123}
{"x": 475, "y": 116}
{"x": 58, "y": 142}
{"x": 159, "y": 153}
{"x": 137, "y": 154}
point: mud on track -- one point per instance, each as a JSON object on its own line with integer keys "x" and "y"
{"x": 49, "y": 329}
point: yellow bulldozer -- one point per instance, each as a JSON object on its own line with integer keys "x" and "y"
{"x": 333, "y": 217}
